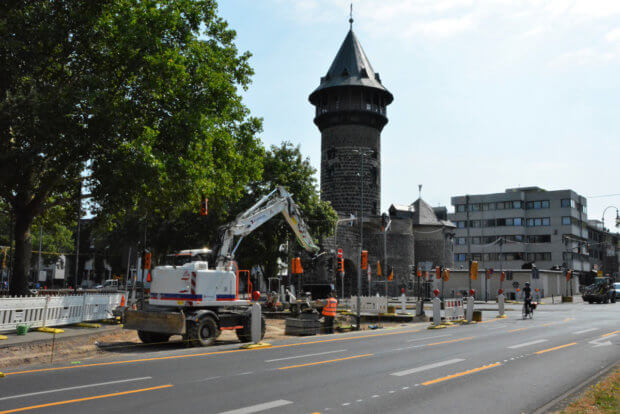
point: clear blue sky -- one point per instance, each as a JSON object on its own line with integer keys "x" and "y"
{"x": 488, "y": 94}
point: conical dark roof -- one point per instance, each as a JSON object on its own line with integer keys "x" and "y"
{"x": 351, "y": 68}
{"x": 423, "y": 214}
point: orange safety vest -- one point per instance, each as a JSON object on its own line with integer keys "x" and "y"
{"x": 331, "y": 307}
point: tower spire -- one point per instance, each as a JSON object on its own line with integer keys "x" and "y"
{"x": 351, "y": 17}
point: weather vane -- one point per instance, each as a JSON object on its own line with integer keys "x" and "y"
{"x": 351, "y": 17}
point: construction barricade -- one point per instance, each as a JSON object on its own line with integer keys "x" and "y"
{"x": 453, "y": 310}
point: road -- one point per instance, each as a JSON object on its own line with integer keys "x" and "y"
{"x": 500, "y": 366}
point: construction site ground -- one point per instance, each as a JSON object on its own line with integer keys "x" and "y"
{"x": 79, "y": 344}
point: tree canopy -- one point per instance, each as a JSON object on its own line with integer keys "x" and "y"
{"x": 141, "y": 95}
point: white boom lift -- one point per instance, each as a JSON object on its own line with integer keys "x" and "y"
{"x": 199, "y": 302}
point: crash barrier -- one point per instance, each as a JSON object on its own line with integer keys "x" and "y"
{"x": 453, "y": 309}
{"x": 37, "y": 312}
{"x": 369, "y": 304}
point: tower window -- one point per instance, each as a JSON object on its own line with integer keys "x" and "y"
{"x": 331, "y": 153}
{"x": 363, "y": 73}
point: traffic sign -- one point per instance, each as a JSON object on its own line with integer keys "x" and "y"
{"x": 340, "y": 253}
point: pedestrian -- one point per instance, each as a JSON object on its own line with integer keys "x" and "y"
{"x": 329, "y": 313}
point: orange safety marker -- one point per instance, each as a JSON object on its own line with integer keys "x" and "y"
{"x": 122, "y": 300}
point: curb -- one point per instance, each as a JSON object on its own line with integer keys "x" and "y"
{"x": 437, "y": 327}
{"x": 87, "y": 325}
{"x": 3, "y": 337}
{"x": 501, "y": 316}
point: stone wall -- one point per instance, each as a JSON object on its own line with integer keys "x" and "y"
{"x": 341, "y": 167}
{"x": 431, "y": 245}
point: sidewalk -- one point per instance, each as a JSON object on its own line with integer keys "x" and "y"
{"x": 70, "y": 332}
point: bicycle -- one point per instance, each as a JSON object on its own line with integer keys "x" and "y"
{"x": 528, "y": 309}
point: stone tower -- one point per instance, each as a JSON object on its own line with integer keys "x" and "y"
{"x": 350, "y": 113}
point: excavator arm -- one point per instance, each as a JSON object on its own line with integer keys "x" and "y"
{"x": 274, "y": 203}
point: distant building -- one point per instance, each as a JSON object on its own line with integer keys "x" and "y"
{"x": 529, "y": 226}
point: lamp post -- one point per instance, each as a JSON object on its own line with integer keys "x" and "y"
{"x": 362, "y": 155}
{"x": 347, "y": 220}
{"x": 388, "y": 222}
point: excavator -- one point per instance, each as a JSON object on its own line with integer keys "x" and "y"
{"x": 199, "y": 301}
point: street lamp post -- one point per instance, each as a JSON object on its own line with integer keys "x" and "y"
{"x": 385, "y": 265}
{"x": 349, "y": 220}
{"x": 362, "y": 155}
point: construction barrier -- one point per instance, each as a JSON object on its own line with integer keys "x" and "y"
{"x": 45, "y": 311}
{"x": 453, "y": 309}
{"x": 369, "y": 304}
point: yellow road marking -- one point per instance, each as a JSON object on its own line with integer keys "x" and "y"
{"x": 517, "y": 330}
{"x": 324, "y": 362}
{"x": 554, "y": 348}
{"x": 568, "y": 319}
{"x": 610, "y": 333}
{"x": 208, "y": 353}
{"x": 452, "y": 340}
{"x": 460, "y": 374}
{"x": 96, "y": 397}
{"x": 490, "y": 320}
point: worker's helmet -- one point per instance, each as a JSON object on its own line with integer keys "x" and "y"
{"x": 527, "y": 283}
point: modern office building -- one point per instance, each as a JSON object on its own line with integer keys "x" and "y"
{"x": 524, "y": 226}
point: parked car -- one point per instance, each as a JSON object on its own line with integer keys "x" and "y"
{"x": 601, "y": 291}
{"x": 616, "y": 290}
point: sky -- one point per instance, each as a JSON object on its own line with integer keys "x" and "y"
{"x": 488, "y": 94}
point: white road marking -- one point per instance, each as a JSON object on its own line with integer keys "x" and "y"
{"x": 586, "y": 330}
{"x": 307, "y": 355}
{"x": 345, "y": 404}
{"x": 408, "y": 347}
{"x": 375, "y": 396}
{"x": 428, "y": 337}
{"x": 74, "y": 388}
{"x": 391, "y": 391}
{"x": 245, "y": 373}
{"x": 210, "y": 378}
{"x": 359, "y": 400}
{"x": 405, "y": 388}
{"x": 528, "y": 343}
{"x": 258, "y": 407}
{"x": 426, "y": 367}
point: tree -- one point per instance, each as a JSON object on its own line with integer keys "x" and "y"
{"x": 284, "y": 165}
{"x": 141, "y": 96}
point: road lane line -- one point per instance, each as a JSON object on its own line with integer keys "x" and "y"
{"x": 528, "y": 343}
{"x": 554, "y": 348}
{"x": 426, "y": 367}
{"x": 326, "y": 362}
{"x": 96, "y": 397}
{"x": 230, "y": 351}
{"x": 258, "y": 407}
{"x": 586, "y": 330}
{"x": 609, "y": 334}
{"x": 450, "y": 341}
{"x": 74, "y": 388}
{"x": 428, "y": 337}
{"x": 460, "y": 374}
{"x": 518, "y": 329}
{"x": 306, "y": 355}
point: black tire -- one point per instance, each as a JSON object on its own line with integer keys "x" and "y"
{"x": 590, "y": 302}
{"x": 153, "y": 337}
{"x": 204, "y": 332}
{"x": 245, "y": 334}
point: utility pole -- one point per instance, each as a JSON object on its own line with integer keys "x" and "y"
{"x": 468, "y": 238}
{"x": 39, "y": 256}
{"x": 77, "y": 246}
{"x": 359, "y": 254}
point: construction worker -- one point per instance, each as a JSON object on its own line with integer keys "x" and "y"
{"x": 329, "y": 312}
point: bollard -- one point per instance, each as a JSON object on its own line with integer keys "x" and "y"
{"x": 403, "y": 303}
{"x": 256, "y": 323}
{"x": 469, "y": 314}
{"x": 436, "y": 312}
{"x": 500, "y": 305}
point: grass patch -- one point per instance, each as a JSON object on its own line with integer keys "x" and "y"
{"x": 603, "y": 397}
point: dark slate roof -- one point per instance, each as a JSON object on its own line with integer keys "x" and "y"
{"x": 423, "y": 214}
{"x": 351, "y": 68}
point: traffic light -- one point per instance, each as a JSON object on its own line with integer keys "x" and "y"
{"x": 438, "y": 272}
{"x": 341, "y": 265}
{"x": 364, "y": 259}
{"x": 446, "y": 275}
{"x": 384, "y": 221}
{"x": 502, "y": 276}
{"x": 569, "y": 274}
{"x": 473, "y": 270}
{"x": 146, "y": 260}
{"x": 419, "y": 272}
{"x": 203, "y": 205}
{"x": 379, "y": 272}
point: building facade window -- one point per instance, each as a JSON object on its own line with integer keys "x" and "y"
{"x": 566, "y": 221}
{"x": 460, "y": 257}
{"x": 568, "y": 203}
{"x": 460, "y": 224}
{"x": 538, "y": 221}
{"x": 460, "y": 208}
{"x": 539, "y": 256}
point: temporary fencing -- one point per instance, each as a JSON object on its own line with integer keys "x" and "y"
{"x": 39, "y": 311}
{"x": 453, "y": 309}
{"x": 369, "y": 304}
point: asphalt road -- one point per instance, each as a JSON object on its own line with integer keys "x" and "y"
{"x": 499, "y": 366}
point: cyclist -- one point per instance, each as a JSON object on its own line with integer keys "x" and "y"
{"x": 527, "y": 299}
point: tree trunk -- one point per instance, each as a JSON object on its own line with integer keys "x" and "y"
{"x": 23, "y": 254}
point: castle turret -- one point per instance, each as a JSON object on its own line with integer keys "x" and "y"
{"x": 351, "y": 106}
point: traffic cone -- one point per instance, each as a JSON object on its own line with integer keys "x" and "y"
{"x": 148, "y": 277}
{"x": 123, "y": 301}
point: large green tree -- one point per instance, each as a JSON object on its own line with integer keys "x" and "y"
{"x": 140, "y": 95}
{"x": 284, "y": 165}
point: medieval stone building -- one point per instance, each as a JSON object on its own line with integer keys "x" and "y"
{"x": 351, "y": 111}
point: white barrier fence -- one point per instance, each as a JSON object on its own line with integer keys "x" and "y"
{"x": 369, "y": 304}
{"x": 55, "y": 310}
{"x": 453, "y": 309}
